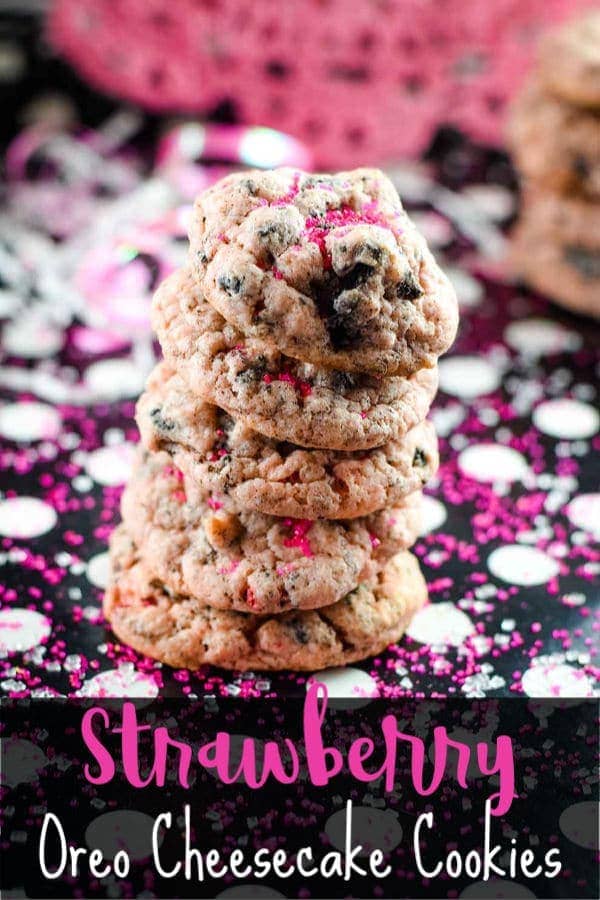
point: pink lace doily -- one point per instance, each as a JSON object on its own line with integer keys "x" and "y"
{"x": 366, "y": 81}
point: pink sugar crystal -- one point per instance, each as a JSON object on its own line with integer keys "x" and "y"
{"x": 300, "y": 528}
{"x": 230, "y": 568}
{"x": 303, "y": 387}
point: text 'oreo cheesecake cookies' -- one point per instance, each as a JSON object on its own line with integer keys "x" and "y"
{"x": 554, "y": 135}
{"x": 284, "y": 437}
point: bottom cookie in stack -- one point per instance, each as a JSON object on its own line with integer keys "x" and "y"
{"x": 556, "y": 250}
{"x": 184, "y": 632}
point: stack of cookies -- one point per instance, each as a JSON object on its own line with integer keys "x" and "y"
{"x": 555, "y": 139}
{"x": 284, "y": 441}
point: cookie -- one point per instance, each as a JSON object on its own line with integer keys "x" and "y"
{"x": 243, "y": 560}
{"x": 280, "y": 397}
{"x": 258, "y": 473}
{"x": 327, "y": 269}
{"x": 182, "y": 631}
{"x": 555, "y": 144}
{"x": 569, "y": 61}
{"x": 555, "y": 251}
{"x": 562, "y": 219}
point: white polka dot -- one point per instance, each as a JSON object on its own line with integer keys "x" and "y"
{"x": 579, "y": 823}
{"x": 468, "y": 376}
{"x": 433, "y": 514}
{"x": 568, "y": 419}
{"x": 31, "y": 337}
{"x": 541, "y": 337}
{"x": 10, "y": 303}
{"x": 437, "y": 231}
{"x": 25, "y": 517}
{"x": 584, "y": 512}
{"x": 112, "y": 465}
{"x": 411, "y": 180}
{"x": 29, "y": 422}
{"x": 122, "y": 829}
{"x": 468, "y": 290}
{"x": 122, "y": 682}
{"x": 21, "y": 629}
{"x": 556, "y": 680}
{"x": 440, "y": 623}
{"x": 524, "y": 566}
{"x": 21, "y": 761}
{"x": 496, "y": 890}
{"x": 98, "y": 570}
{"x": 372, "y": 828}
{"x": 111, "y": 379}
{"x": 346, "y": 683}
{"x": 447, "y": 418}
{"x": 493, "y": 201}
{"x": 492, "y": 462}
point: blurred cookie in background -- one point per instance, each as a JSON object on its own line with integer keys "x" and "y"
{"x": 569, "y": 61}
{"x": 555, "y": 144}
{"x": 556, "y": 255}
{"x": 554, "y": 136}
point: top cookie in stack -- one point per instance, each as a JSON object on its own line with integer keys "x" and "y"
{"x": 284, "y": 435}
{"x": 326, "y": 269}
{"x": 554, "y": 134}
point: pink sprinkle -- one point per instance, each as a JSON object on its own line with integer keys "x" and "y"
{"x": 227, "y": 570}
{"x": 303, "y": 387}
{"x": 214, "y": 503}
{"x": 291, "y": 194}
{"x": 218, "y": 454}
{"x": 170, "y": 471}
{"x": 375, "y": 542}
{"x": 317, "y": 228}
{"x": 300, "y": 528}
